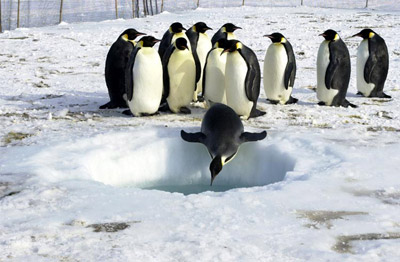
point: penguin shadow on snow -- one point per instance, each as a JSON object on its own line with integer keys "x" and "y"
{"x": 186, "y": 166}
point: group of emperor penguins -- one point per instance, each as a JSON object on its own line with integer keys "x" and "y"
{"x": 189, "y": 66}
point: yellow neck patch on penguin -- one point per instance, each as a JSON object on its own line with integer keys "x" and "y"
{"x": 371, "y": 34}
{"x": 239, "y": 45}
{"x": 336, "y": 37}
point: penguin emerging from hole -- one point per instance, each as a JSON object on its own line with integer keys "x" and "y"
{"x": 372, "y": 64}
{"x": 226, "y": 32}
{"x": 116, "y": 61}
{"x": 144, "y": 89}
{"x": 222, "y": 133}
{"x": 279, "y": 70}
{"x": 214, "y": 74}
{"x": 201, "y": 45}
{"x": 333, "y": 71}
{"x": 175, "y": 31}
{"x": 242, "y": 79}
{"x": 179, "y": 75}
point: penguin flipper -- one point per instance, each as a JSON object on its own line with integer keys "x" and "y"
{"x": 290, "y": 70}
{"x": 198, "y": 67}
{"x": 251, "y": 137}
{"x": 129, "y": 84}
{"x": 253, "y": 76}
{"x": 204, "y": 72}
{"x": 330, "y": 73}
{"x": 198, "y": 137}
{"x": 165, "y": 43}
{"x": 165, "y": 61}
{"x": 369, "y": 68}
{"x": 289, "y": 75}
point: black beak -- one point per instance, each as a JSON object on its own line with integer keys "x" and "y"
{"x": 156, "y": 40}
{"x": 139, "y": 33}
{"x": 182, "y": 28}
{"x": 208, "y": 28}
{"x": 236, "y": 27}
{"x": 357, "y": 35}
{"x": 269, "y": 36}
{"x": 225, "y": 51}
{"x": 322, "y": 35}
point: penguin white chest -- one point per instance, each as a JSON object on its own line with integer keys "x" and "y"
{"x": 362, "y": 57}
{"x": 275, "y": 63}
{"x": 147, "y": 82}
{"x": 203, "y": 46}
{"x": 182, "y": 79}
{"x": 215, "y": 77}
{"x": 235, "y": 76}
{"x": 230, "y": 36}
{"x": 324, "y": 94}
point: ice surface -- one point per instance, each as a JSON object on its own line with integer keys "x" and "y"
{"x": 66, "y": 166}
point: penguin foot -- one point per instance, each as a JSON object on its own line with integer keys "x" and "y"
{"x": 383, "y": 95}
{"x": 256, "y": 113}
{"x": 147, "y": 114}
{"x": 164, "y": 107}
{"x": 292, "y": 100}
{"x": 185, "y": 110}
{"x": 127, "y": 112}
{"x": 200, "y": 99}
{"x": 346, "y": 104}
{"x": 274, "y": 102}
{"x": 112, "y": 105}
{"x": 321, "y": 103}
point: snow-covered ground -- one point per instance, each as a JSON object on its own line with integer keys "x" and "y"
{"x": 82, "y": 184}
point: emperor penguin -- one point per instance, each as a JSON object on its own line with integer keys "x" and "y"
{"x": 279, "y": 70}
{"x": 226, "y": 32}
{"x": 201, "y": 45}
{"x": 333, "y": 71}
{"x": 175, "y": 31}
{"x": 222, "y": 133}
{"x": 242, "y": 79}
{"x": 372, "y": 64}
{"x": 144, "y": 89}
{"x": 116, "y": 61}
{"x": 214, "y": 74}
{"x": 179, "y": 75}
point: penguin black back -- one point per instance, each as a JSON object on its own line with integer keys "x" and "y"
{"x": 222, "y": 133}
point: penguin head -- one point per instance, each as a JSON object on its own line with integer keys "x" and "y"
{"x": 181, "y": 43}
{"x": 130, "y": 34}
{"x": 366, "y": 33}
{"x": 330, "y": 35}
{"x": 229, "y": 28}
{"x": 220, "y": 159}
{"x": 232, "y": 46}
{"x": 147, "y": 41}
{"x": 221, "y": 43}
{"x": 277, "y": 38}
{"x": 176, "y": 28}
{"x": 201, "y": 27}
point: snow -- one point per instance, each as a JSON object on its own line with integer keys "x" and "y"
{"x": 323, "y": 185}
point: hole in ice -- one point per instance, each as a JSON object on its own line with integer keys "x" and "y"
{"x": 160, "y": 159}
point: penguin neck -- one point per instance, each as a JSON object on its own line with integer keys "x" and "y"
{"x": 125, "y": 38}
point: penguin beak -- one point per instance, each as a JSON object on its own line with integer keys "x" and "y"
{"x": 139, "y": 33}
{"x": 182, "y": 28}
{"x": 212, "y": 179}
{"x": 236, "y": 27}
{"x": 207, "y": 28}
{"x": 215, "y": 167}
{"x": 322, "y": 35}
{"x": 156, "y": 40}
{"x": 225, "y": 51}
{"x": 357, "y": 35}
{"x": 269, "y": 36}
